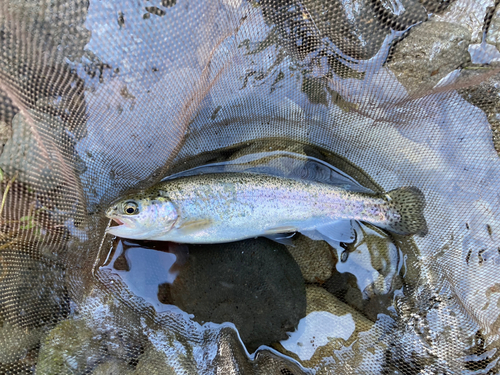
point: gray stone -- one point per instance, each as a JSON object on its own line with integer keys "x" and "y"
{"x": 32, "y": 291}
{"x": 114, "y": 367}
{"x": 268, "y": 363}
{"x": 314, "y": 258}
{"x": 15, "y": 342}
{"x": 62, "y": 20}
{"x": 27, "y": 146}
{"x": 466, "y": 13}
{"x": 154, "y": 362}
{"x": 70, "y": 348}
{"x": 486, "y": 96}
{"x": 493, "y": 35}
{"x": 255, "y": 284}
{"x": 430, "y": 52}
{"x": 5, "y": 134}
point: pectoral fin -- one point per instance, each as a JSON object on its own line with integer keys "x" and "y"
{"x": 278, "y": 230}
{"x": 194, "y": 226}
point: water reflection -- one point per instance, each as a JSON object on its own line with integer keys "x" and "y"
{"x": 145, "y": 265}
{"x": 255, "y": 284}
{"x": 373, "y": 258}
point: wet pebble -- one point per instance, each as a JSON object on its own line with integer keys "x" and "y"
{"x": 15, "y": 342}
{"x": 319, "y": 299}
{"x": 429, "y": 52}
{"x": 329, "y": 325}
{"x": 22, "y": 149}
{"x": 71, "y": 347}
{"x": 493, "y": 35}
{"x": 114, "y": 367}
{"x": 5, "y": 134}
{"x": 469, "y": 14}
{"x": 486, "y": 96}
{"x": 256, "y": 284}
{"x": 269, "y": 363}
{"x": 344, "y": 287}
{"x": 153, "y": 361}
{"x": 314, "y": 259}
{"x": 32, "y": 291}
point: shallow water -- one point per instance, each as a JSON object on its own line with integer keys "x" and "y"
{"x": 263, "y": 287}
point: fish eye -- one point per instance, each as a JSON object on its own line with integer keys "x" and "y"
{"x": 130, "y": 208}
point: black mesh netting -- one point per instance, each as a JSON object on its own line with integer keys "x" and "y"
{"x": 99, "y": 98}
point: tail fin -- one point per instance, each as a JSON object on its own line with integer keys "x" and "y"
{"x": 409, "y": 202}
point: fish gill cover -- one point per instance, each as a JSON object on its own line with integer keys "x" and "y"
{"x": 102, "y": 98}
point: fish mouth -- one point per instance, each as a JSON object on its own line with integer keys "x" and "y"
{"x": 118, "y": 221}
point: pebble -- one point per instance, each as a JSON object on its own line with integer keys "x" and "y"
{"x": 5, "y": 133}
{"x": 153, "y": 361}
{"x": 319, "y": 300}
{"x": 114, "y": 367}
{"x": 430, "y": 52}
{"x": 255, "y": 284}
{"x": 15, "y": 342}
{"x": 469, "y": 14}
{"x": 71, "y": 347}
{"x": 486, "y": 96}
{"x": 314, "y": 259}
{"x": 32, "y": 291}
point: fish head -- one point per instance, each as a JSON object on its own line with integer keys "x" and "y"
{"x": 144, "y": 218}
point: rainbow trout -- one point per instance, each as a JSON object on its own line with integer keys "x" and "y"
{"x": 216, "y": 208}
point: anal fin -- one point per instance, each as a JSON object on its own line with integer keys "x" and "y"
{"x": 279, "y": 234}
{"x": 337, "y": 231}
{"x": 281, "y": 238}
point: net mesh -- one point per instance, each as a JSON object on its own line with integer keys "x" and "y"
{"x": 99, "y": 98}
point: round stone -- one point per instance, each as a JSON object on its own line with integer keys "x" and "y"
{"x": 255, "y": 284}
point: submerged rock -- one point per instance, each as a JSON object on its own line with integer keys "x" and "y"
{"x": 153, "y": 361}
{"x": 466, "y": 13}
{"x": 23, "y": 148}
{"x": 486, "y": 96}
{"x": 319, "y": 299}
{"x": 5, "y": 134}
{"x": 268, "y": 363}
{"x": 71, "y": 347}
{"x": 62, "y": 27}
{"x": 32, "y": 291}
{"x": 254, "y": 284}
{"x": 430, "y": 52}
{"x": 329, "y": 325}
{"x": 314, "y": 259}
{"x": 356, "y": 27}
{"x": 493, "y": 35}
{"x": 15, "y": 342}
{"x": 114, "y": 367}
